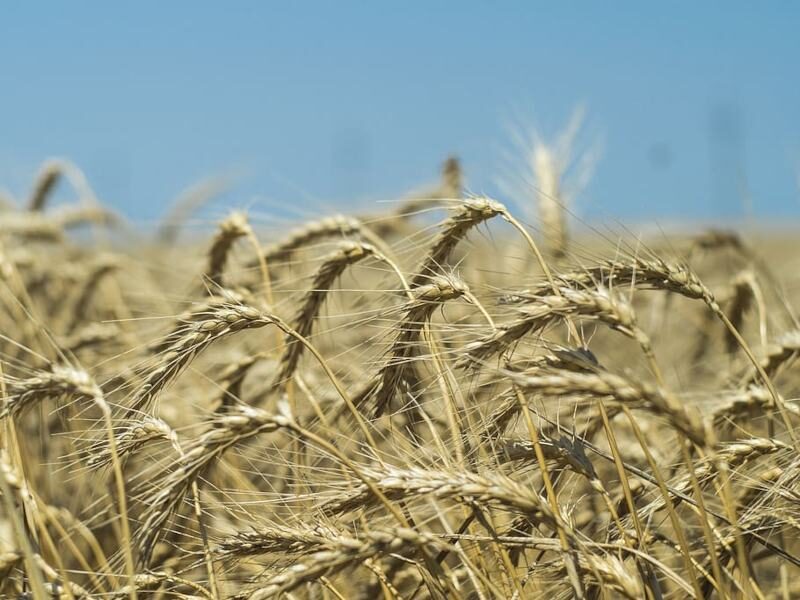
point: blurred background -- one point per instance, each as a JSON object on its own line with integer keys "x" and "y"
{"x": 678, "y": 113}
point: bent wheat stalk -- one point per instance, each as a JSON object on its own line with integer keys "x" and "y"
{"x": 462, "y": 486}
{"x": 336, "y": 226}
{"x": 599, "y": 304}
{"x": 51, "y": 171}
{"x": 196, "y": 333}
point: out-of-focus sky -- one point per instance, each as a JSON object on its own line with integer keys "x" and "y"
{"x": 326, "y": 105}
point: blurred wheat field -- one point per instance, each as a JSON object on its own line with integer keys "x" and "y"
{"x": 436, "y": 401}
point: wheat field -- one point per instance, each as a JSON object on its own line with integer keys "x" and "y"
{"x": 438, "y": 400}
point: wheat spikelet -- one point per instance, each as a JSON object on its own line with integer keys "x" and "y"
{"x": 786, "y": 349}
{"x": 303, "y": 538}
{"x": 450, "y": 187}
{"x": 405, "y": 483}
{"x": 740, "y": 301}
{"x": 452, "y": 184}
{"x": 70, "y": 217}
{"x": 558, "y": 175}
{"x": 232, "y": 379}
{"x": 549, "y": 200}
{"x": 103, "y": 267}
{"x": 752, "y": 402}
{"x": 338, "y": 226}
{"x": 563, "y": 451}
{"x": 188, "y": 201}
{"x": 92, "y": 334}
{"x": 735, "y": 303}
{"x": 51, "y": 171}
{"x": 609, "y": 573}
{"x": 548, "y": 309}
{"x": 646, "y": 273}
{"x": 131, "y": 438}
{"x": 732, "y": 455}
{"x": 49, "y": 174}
{"x": 31, "y": 227}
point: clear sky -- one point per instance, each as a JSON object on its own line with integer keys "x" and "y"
{"x": 319, "y": 106}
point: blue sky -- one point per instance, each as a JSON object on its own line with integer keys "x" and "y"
{"x": 321, "y": 106}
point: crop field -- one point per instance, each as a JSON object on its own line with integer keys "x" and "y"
{"x": 437, "y": 399}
